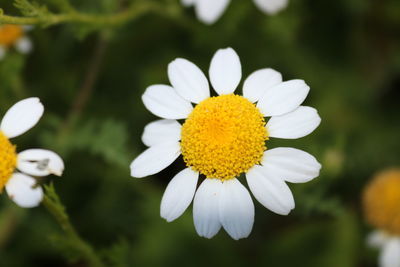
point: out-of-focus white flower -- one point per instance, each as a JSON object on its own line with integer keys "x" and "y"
{"x": 14, "y": 36}
{"x": 20, "y": 186}
{"x": 389, "y": 246}
{"x": 381, "y": 205}
{"x": 223, "y": 137}
{"x": 209, "y": 11}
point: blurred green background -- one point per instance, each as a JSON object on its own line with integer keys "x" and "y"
{"x": 348, "y": 51}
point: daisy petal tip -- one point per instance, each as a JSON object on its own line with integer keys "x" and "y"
{"x": 161, "y": 131}
{"x": 283, "y": 211}
{"x": 271, "y": 7}
{"x": 188, "y": 80}
{"x": 228, "y": 53}
{"x": 286, "y": 212}
{"x": 58, "y": 173}
{"x": 318, "y": 169}
{"x": 166, "y": 217}
{"x": 283, "y": 98}
{"x": 164, "y": 102}
{"x": 40, "y": 162}
{"x": 293, "y": 165}
{"x": 210, "y": 11}
{"x": 260, "y": 81}
{"x": 296, "y": 124}
{"x": 226, "y": 50}
{"x": 57, "y": 167}
{"x": 208, "y": 235}
{"x": 207, "y": 231}
{"x": 155, "y": 159}
{"x": 173, "y": 64}
{"x": 179, "y": 194}
{"x": 170, "y": 219}
{"x": 235, "y": 238}
{"x": 240, "y": 235}
{"x": 270, "y": 190}
{"x": 135, "y": 173}
{"x": 36, "y": 101}
{"x": 236, "y": 209}
{"x": 225, "y": 71}
{"x": 22, "y": 116}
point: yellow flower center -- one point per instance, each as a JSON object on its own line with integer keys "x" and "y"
{"x": 9, "y": 34}
{"x": 223, "y": 137}
{"x": 8, "y": 160}
{"x": 382, "y": 201}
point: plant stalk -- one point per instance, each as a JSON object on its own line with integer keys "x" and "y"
{"x": 57, "y": 210}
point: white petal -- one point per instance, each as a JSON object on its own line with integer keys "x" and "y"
{"x": 24, "y": 45}
{"x": 209, "y": 11}
{"x": 283, "y": 98}
{"x": 236, "y": 209}
{"x": 225, "y": 71}
{"x": 179, "y": 194}
{"x": 2, "y": 52}
{"x": 271, "y": 6}
{"x": 271, "y": 191}
{"x": 163, "y": 101}
{"x": 155, "y": 159}
{"x": 206, "y": 208}
{"x": 22, "y": 190}
{"x": 258, "y": 83}
{"x": 188, "y": 3}
{"x": 40, "y": 162}
{"x": 21, "y": 117}
{"x": 292, "y": 165}
{"x": 188, "y": 80}
{"x": 298, "y": 123}
{"x": 161, "y": 131}
{"x": 377, "y": 239}
{"x": 390, "y": 255}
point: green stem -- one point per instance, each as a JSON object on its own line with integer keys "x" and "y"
{"x": 77, "y": 17}
{"x": 53, "y": 204}
{"x": 85, "y": 92}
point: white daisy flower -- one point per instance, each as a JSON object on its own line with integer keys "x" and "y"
{"x": 223, "y": 137}
{"x": 381, "y": 206}
{"x": 209, "y": 11}
{"x": 14, "y": 36}
{"x": 389, "y": 246}
{"x": 16, "y": 169}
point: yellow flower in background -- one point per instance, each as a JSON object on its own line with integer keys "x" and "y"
{"x": 20, "y": 186}
{"x": 223, "y": 137}
{"x": 14, "y": 36}
{"x": 209, "y": 11}
{"x": 382, "y": 210}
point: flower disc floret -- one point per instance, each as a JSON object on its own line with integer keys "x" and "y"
{"x": 223, "y": 137}
{"x": 382, "y": 200}
{"x": 8, "y": 160}
{"x": 9, "y": 34}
